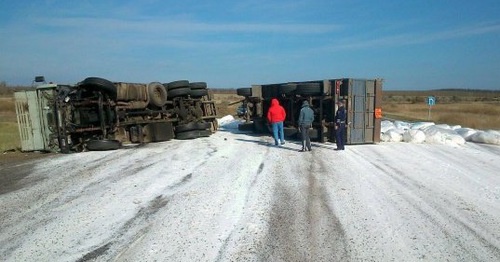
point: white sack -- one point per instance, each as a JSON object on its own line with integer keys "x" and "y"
{"x": 440, "y": 135}
{"x": 228, "y": 122}
{"x": 386, "y": 126}
{"x": 421, "y": 125}
{"x": 487, "y": 137}
{"x": 402, "y": 125}
{"x": 392, "y": 135}
{"x": 414, "y": 136}
{"x": 466, "y": 133}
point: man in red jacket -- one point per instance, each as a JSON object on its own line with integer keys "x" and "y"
{"x": 276, "y": 115}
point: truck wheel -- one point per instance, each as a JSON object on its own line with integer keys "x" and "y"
{"x": 204, "y": 133}
{"x": 246, "y": 127}
{"x": 186, "y": 127}
{"x": 261, "y": 126}
{"x": 198, "y": 85}
{"x": 287, "y": 88}
{"x": 181, "y": 91}
{"x": 177, "y": 84}
{"x": 157, "y": 94}
{"x": 309, "y": 89}
{"x": 197, "y": 93}
{"x": 100, "y": 84}
{"x": 102, "y": 145}
{"x": 246, "y": 91}
{"x": 188, "y": 135}
{"x": 203, "y": 125}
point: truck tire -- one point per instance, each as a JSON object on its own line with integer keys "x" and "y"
{"x": 197, "y": 93}
{"x": 198, "y": 85}
{"x": 203, "y": 125}
{"x": 308, "y": 89}
{"x": 287, "y": 88}
{"x": 99, "y": 84}
{"x": 188, "y": 135}
{"x": 246, "y": 91}
{"x": 180, "y": 91}
{"x": 157, "y": 94}
{"x": 103, "y": 145}
{"x": 204, "y": 133}
{"x": 261, "y": 126}
{"x": 186, "y": 127}
{"x": 178, "y": 84}
{"x": 246, "y": 127}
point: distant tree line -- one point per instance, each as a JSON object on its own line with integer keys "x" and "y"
{"x": 223, "y": 90}
{"x": 467, "y": 90}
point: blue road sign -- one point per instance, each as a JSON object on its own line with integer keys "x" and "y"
{"x": 431, "y": 100}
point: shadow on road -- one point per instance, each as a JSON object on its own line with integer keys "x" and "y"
{"x": 267, "y": 144}
{"x": 298, "y": 143}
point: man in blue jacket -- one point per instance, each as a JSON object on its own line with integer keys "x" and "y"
{"x": 340, "y": 120}
{"x": 306, "y": 118}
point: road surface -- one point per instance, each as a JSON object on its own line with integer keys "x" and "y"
{"x": 235, "y": 197}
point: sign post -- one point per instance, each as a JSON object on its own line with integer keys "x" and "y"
{"x": 431, "y": 100}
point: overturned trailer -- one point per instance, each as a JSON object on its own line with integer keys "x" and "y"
{"x": 97, "y": 114}
{"x": 363, "y": 99}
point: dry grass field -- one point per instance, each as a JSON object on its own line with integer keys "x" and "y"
{"x": 474, "y": 109}
{"x": 223, "y": 101}
{"x": 473, "y": 115}
{"x": 9, "y": 133}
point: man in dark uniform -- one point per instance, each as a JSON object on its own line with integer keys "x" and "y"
{"x": 340, "y": 120}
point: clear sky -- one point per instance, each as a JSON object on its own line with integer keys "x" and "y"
{"x": 412, "y": 44}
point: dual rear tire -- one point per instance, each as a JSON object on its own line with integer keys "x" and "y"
{"x": 193, "y": 130}
{"x": 103, "y": 145}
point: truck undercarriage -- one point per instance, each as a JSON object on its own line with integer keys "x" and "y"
{"x": 363, "y": 98}
{"x": 97, "y": 114}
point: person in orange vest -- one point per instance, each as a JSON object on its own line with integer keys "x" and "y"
{"x": 275, "y": 116}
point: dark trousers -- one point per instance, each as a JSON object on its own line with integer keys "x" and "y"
{"x": 339, "y": 136}
{"x": 306, "y": 140}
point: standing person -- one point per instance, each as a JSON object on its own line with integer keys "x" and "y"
{"x": 340, "y": 119}
{"x": 306, "y": 117}
{"x": 276, "y": 115}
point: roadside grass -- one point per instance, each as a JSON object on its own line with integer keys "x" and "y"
{"x": 473, "y": 115}
{"x": 7, "y": 104}
{"x": 9, "y": 136}
{"x": 9, "y": 132}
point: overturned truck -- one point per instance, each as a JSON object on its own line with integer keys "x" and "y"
{"x": 363, "y": 99}
{"x": 97, "y": 114}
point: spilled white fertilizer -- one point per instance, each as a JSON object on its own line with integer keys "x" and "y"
{"x": 429, "y": 132}
{"x": 228, "y": 122}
